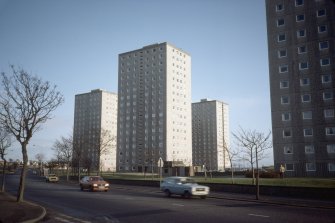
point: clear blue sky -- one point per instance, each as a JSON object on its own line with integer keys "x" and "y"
{"x": 75, "y": 45}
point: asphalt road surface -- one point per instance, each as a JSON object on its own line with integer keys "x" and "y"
{"x": 123, "y": 204}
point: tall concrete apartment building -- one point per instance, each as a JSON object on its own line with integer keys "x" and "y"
{"x": 210, "y": 134}
{"x": 301, "y": 69}
{"x": 95, "y": 124}
{"x": 154, "y": 108}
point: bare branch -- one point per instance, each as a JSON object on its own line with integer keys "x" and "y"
{"x": 26, "y": 102}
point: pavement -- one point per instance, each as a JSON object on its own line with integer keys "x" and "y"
{"x": 27, "y": 212}
{"x": 13, "y": 212}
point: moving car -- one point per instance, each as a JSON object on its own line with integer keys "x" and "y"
{"x": 184, "y": 186}
{"x": 94, "y": 183}
{"x": 51, "y": 178}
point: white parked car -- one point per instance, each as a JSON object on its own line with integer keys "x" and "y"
{"x": 51, "y": 178}
{"x": 184, "y": 186}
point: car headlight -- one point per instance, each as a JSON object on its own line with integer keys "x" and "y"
{"x": 95, "y": 185}
{"x": 106, "y": 185}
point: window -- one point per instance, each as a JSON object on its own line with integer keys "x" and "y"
{"x": 287, "y": 133}
{"x": 321, "y": 12}
{"x": 289, "y": 167}
{"x": 330, "y": 131}
{"x": 329, "y": 113}
{"x": 303, "y": 65}
{"x": 279, "y": 7}
{"x": 306, "y": 98}
{"x": 280, "y": 22}
{"x": 307, "y": 115}
{"x": 309, "y": 149}
{"x": 331, "y": 148}
{"x": 325, "y": 62}
{"x": 331, "y": 166}
{"x": 285, "y": 100}
{"x": 288, "y": 150}
{"x": 322, "y": 28}
{"x": 299, "y": 2}
{"x": 310, "y": 167}
{"x": 284, "y": 84}
{"x": 286, "y": 116}
{"x": 301, "y": 33}
{"x": 283, "y": 68}
{"x": 328, "y": 95}
{"x": 304, "y": 81}
{"x": 326, "y": 78}
{"x": 300, "y": 18}
{"x": 282, "y": 53}
{"x": 323, "y": 45}
{"x": 302, "y": 49}
{"x": 308, "y": 132}
{"x": 281, "y": 37}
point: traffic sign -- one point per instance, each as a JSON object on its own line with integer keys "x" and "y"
{"x": 160, "y": 162}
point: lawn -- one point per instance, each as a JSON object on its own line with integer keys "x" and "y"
{"x": 292, "y": 182}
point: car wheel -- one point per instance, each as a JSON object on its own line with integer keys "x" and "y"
{"x": 81, "y": 187}
{"x": 203, "y": 197}
{"x": 187, "y": 194}
{"x": 167, "y": 193}
{"x": 91, "y": 189}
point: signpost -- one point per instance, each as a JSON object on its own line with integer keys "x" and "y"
{"x": 160, "y": 164}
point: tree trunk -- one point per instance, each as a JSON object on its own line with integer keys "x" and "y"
{"x": 253, "y": 174}
{"x": 257, "y": 179}
{"x": 23, "y": 173}
{"x": 67, "y": 171}
{"x": 79, "y": 171}
{"x": 4, "y": 175}
{"x": 232, "y": 173}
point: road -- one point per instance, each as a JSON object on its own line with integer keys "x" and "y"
{"x": 123, "y": 204}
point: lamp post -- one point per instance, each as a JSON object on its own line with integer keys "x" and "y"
{"x": 160, "y": 164}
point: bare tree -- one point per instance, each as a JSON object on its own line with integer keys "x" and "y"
{"x": 232, "y": 154}
{"x": 5, "y": 143}
{"x": 102, "y": 145}
{"x": 64, "y": 150}
{"x": 78, "y": 145}
{"x": 26, "y": 102}
{"x": 255, "y": 145}
{"x": 40, "y": 157}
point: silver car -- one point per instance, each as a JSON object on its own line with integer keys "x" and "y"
{"x": 184, "y": 186}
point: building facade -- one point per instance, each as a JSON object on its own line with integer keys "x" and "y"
{"x": 94, "y": 131}
{"x": 210, "y": 135}
{"x": 301, "y": 68}
{"x": 154, "y": 108}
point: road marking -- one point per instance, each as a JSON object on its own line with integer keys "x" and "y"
{"x": 62, "y": 220}
{"x": 179, "y": 205}
{"x": 72, "y": 218}
{"x": 258, "y": 215}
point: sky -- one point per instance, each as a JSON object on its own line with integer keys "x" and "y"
{"x": 74, "y": 44}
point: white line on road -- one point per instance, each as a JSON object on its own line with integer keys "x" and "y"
{"x": 180, "y": 205}
{"x": 73, "y": 218}
{"x": 258, "y": 215}
{"x": 62, "y": 220}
